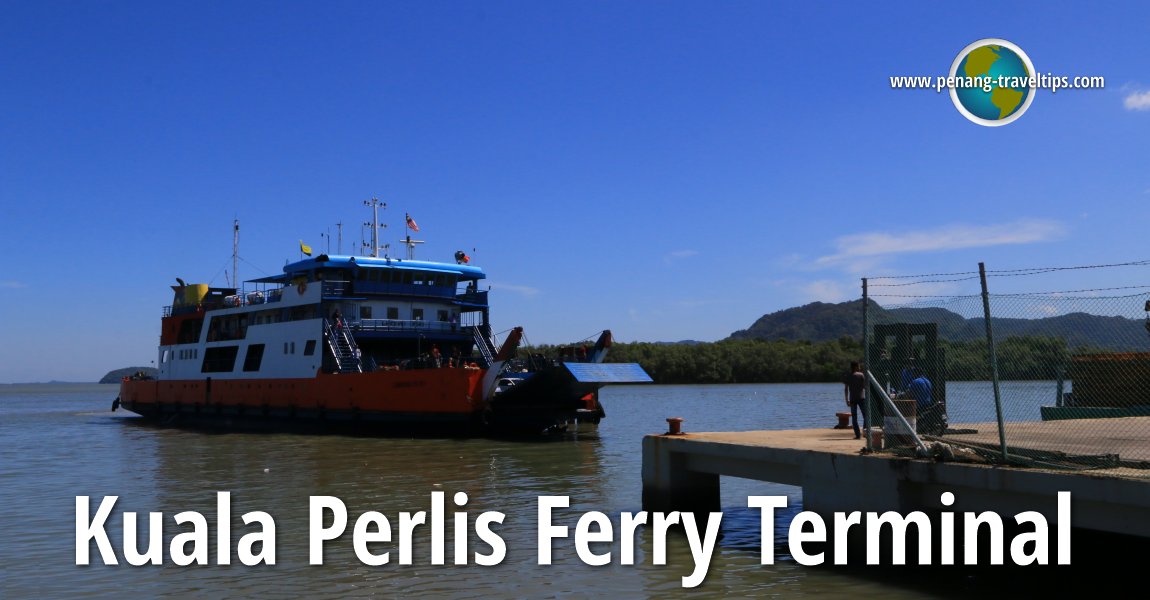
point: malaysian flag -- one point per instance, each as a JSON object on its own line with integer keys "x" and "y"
{"x": 411, "y": 223}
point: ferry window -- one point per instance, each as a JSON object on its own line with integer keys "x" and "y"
{"x": 189, "y": 331}
{"x": 221, "y": 359}
{"x": 254, "y": 357}
{"x": 417, "y": 314}
{"x": 393, "y": 312}
{"x": 285, "y": 347}
{"x": 309, "y": 348}
{"x": 442, "y": 315}
{"x": 164, "y": 358}
{"x": 365, "y": 312}
{"x": 293, "y": 347}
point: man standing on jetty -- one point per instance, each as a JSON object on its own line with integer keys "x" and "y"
{"x": 854, "y": 392}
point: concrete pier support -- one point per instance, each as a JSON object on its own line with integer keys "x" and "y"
{"x": 671, "y": 482}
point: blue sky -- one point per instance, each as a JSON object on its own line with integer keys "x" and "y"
{"x": 668, "y": 170}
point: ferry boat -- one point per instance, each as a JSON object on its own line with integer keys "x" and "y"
{"x": 368, "y": 343}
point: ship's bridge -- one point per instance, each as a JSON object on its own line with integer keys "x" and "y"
{"x": 351, "y": 277}
{"x": 393, "y": 302}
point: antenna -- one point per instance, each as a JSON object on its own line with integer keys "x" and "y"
{"x": 410, "y": 243}
{"x": 374, "y": 203}
{"x": 339, "y": 227}
{"x": 235, "y": 252}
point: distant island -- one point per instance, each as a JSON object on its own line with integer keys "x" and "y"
{"x": 118, "y": 374}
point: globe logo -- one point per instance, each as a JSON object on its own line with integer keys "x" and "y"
{"x": 995, "y": 82}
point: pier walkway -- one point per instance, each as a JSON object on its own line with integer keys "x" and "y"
{"x": 681, "y": 472}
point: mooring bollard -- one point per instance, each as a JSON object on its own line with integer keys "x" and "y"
{"x": 675, "y": 423}
{"x": 844, "y": 420}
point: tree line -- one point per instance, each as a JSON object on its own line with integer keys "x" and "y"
{"x": 786, "y": 361}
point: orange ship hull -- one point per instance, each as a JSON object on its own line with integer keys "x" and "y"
{"x": 435, "y": 396}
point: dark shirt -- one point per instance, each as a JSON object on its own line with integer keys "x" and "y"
{"x": 905, "y": 377}
{"x": 856, "y": 386}
{"x": 920, "y": 390}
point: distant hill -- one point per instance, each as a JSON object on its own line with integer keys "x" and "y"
{"x": 118, "y": 374}
{"x": 815, "y": 322}
{"x": 821, "y": 322}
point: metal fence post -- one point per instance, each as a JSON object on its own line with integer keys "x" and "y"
{"x": 993, "y": 361}
{"x": 868, "y": 416}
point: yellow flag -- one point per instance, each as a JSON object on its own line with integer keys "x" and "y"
{"x": 304, "y": 248}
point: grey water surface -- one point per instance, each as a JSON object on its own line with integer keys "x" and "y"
{"x": 60, "y": 441}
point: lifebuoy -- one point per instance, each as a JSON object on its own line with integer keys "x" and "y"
{"x": 301, "y": 288}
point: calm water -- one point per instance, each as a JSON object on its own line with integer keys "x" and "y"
{"x": 61, "y": 441}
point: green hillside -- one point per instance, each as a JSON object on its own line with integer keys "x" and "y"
{"x": 822, "y": 322}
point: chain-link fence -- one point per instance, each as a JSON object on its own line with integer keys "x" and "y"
{"x": 982, "y": 372}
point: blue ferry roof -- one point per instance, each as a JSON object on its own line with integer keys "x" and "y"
{"x": 325, "y": 261}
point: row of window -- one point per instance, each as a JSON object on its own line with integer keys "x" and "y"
{"x": 186, "y": 354}
{"x": 365, "y": 312}
{"x": 308, "y": 348}
{"x": 235, "y": 327}
{"x": 222, "y": 359}
{"x": 408, "y": 277}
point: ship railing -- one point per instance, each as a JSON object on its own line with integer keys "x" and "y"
{"x": 473, "y": 297}
{"x": 398, "y": 325}
{"x": 483, "y": 344}
{"x": 423, "y": 361}
{"x": 342, "y": 346}
{"x": 181, "y": 309}
{"x": 364, "y": 288}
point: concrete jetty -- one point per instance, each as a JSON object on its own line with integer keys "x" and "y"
{"x": 682, "y": 472}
